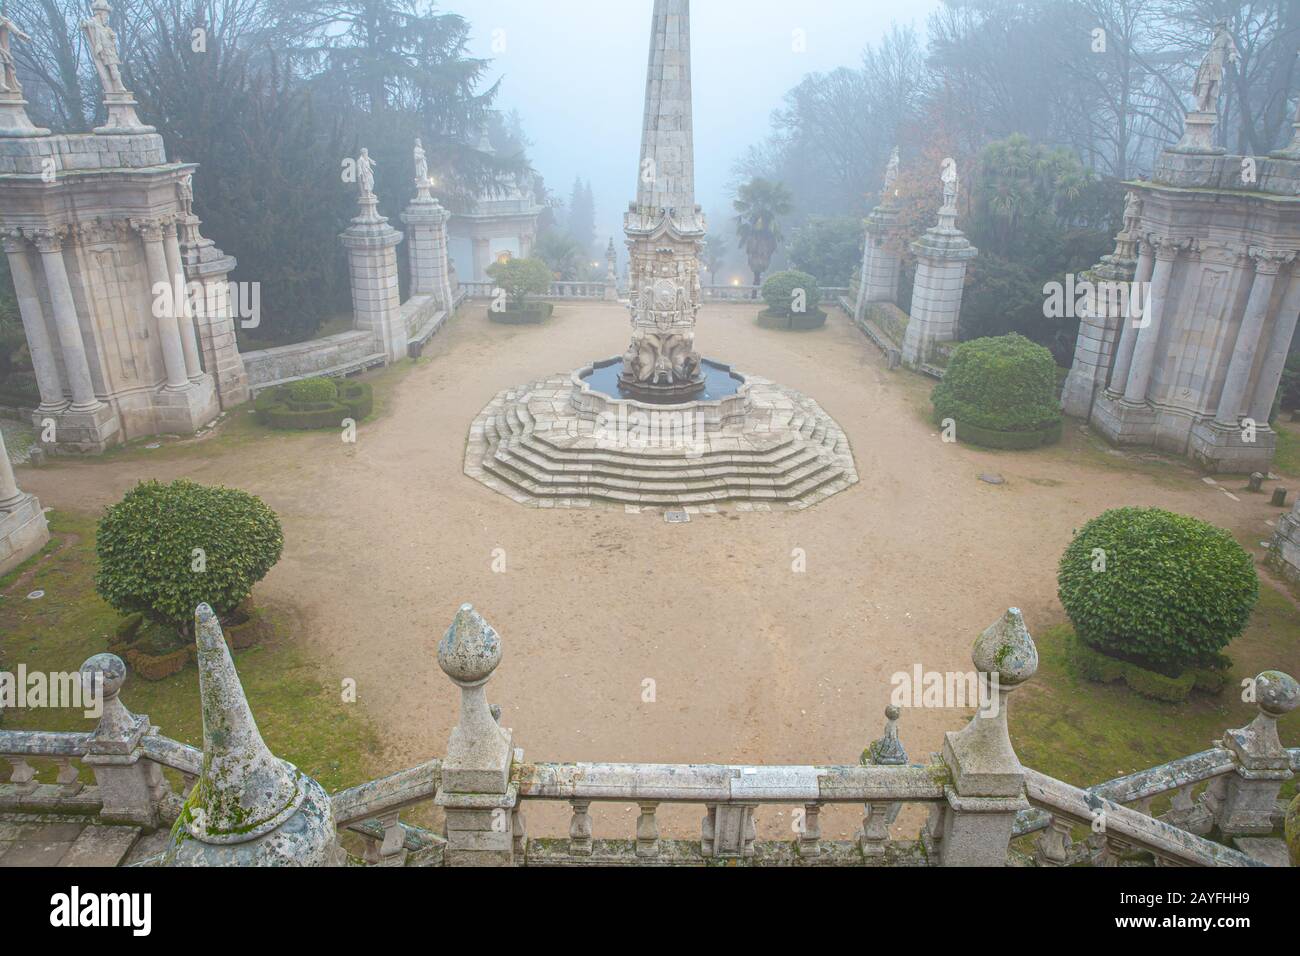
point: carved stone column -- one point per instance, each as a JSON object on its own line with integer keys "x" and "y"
{"x": 1144, "y": 351}
{"x": 1233, "y": 399}
{"x": 1270, "y": 372}
{"x": 50, "y": 245}
{"x": 169, "y": 335}
{"x": 1128, "y": 337}
{"x": 181, "y": 303}
{"x": 33, "y": 316}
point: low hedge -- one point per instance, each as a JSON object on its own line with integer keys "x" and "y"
{"x": 1011, "y": 441}
{"x": 798, "y": 322}
{"x": 135, "y": 643}
{"x": 531, "y": 314}
{"x": 1089, "y": 664}
{"x": 304, "y": 405}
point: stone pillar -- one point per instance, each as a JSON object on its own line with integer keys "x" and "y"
{"x": 23, "y": 528}
{"x": 860, "y": 303}
{"x": 1128, "y": 339}
{"x": 164, "y": 306}
{"x": 1270, "y": 372}
{"x": 38, "y": 335}
{"x": 1234, "y": 397}
{"x": 611, "y": 272}
{"x": 426, "y": 233}
{"x": 1100, "y": 329}
{"x": 214, "y": 318}
{"x": 75, "y": 365}
{"x": 250, "y": 808}
{"x": 480, "y": 802}
{"x": 1144, "y": 351}
{"x": 130, "y": 784}
{"x": 987, "y": 789}
{"x": 941, "y": 257}
{"x": 372, "y": 262}
{"x": 1284, "y": 550}
{"x": 882, "y": 267}
{"x": 181, "y": 304}
{"x": 1247, "y": 804}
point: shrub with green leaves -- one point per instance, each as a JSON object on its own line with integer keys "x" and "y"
{"x": 1000, "y": 392}
{"x": 313, "y": 391}
{"x": 520, "y": 278}
{"x": 164, "y": 549}
{"x": 1155, "y": 588}
{"x": 783, "y": 290}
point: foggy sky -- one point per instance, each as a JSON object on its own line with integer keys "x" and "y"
{"x": 575, "y": 70}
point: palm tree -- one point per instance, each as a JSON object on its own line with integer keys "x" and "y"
{"x": 759, "y": 204}
{"x": 715, "y": 256}
{"x": 562, "y": 253}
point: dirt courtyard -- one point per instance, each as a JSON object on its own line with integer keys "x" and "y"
{"x": 751, "y": 661}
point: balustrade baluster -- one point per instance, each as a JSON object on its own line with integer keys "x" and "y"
{"x": 810, "y": 832}
{"x": 647, "y": 831}
{"x": 708, "y": 829}
{"x": 392, "y": 851}
{"x": 519, "y": 831}
{"x": 1053, "y": 844}
{"x": 580, "y": 828}
{"x": 875, "y": 829}
{"x": 23, "y": 776}
{"x": 68, "y": 777}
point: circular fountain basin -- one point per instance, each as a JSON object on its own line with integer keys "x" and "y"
{"x": 723, "y": 400}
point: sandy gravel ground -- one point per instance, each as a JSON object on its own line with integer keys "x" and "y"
{"x": 751, "y": 662}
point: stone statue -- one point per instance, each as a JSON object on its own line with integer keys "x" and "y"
{"x": 9, "y": 75}
{"x": 421, "y": 163}
{"x": 103, "y": 47}
{"x": 1209, "y": 78}
{"x": 366, "y": 174}
{"x": 185, "y": 192}
{"x": 951, "y": 183}
{"x": 1132, "y": 212}
{"x": 891, "y": 175}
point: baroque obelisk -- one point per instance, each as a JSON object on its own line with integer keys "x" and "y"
{"x": 664, "y": 226}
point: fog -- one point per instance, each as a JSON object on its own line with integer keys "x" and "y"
{"x": 575, "y": 70}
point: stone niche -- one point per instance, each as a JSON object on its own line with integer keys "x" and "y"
{"x": 94, "y": 225}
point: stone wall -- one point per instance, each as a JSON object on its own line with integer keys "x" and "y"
{"x": 340, "y": 354}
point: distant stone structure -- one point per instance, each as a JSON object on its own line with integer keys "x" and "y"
{"x": 882, "y": 248}
{"x": 23, "y": 529}
{"x": 240, "y": 805}
{"x": 1185, "y": 349}
{"x": 941, "y": 258}
{"x": 1284, "y": 551}
{"x": 499, "y": 224}
{"x": 101, "y": 242}
{"x": 372, "y": 259}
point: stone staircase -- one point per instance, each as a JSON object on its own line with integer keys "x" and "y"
{"x": 529, "y": 444}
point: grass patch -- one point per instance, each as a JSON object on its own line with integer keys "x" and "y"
{"x": 301, "y": 717}
{"x": 1287, "y": 459}
{"x": 1085, "y": 733}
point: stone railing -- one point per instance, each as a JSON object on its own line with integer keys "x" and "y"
{"x": 558, "y": 290}
{"x": 747, "y": 293}
{"x": 982, "y": 806}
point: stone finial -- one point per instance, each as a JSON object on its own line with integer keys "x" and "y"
{"x": 479, "y": 751}
{"x": 104, "y": 674}
{"x": 980, "y": 755}
{"x": 888, "y": 750}
{"x": 1257, "y": 745}
{"x": 250, "y": 808}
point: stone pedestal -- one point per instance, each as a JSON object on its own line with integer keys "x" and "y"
{"x": 1198, "y": 135}
{"x": 372, "y": 260}
{"x": 426, "y": 245}
{"x": 1284, "y": 552}
{"x": 130, "y": 785}
{"x": 1249, "y": 801}
{"x": 1225, "y": 449}
{"x": 121, "y": 116}
{"x": 1100, "y": 331}
{"x": 13, "y": 117}
{"x": 941, "y": 254}
{"x": 880, "y": 260}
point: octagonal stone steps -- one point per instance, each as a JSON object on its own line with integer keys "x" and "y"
{"x": 629, "y": 466}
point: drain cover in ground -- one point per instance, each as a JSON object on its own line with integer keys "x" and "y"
{"x": 993, "y": 479}
{"x": 676, "y": 517}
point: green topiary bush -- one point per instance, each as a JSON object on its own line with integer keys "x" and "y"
{"x": 1161, "y": 590}
{"x": 164, "y": 549}
{"x": 311, "y": 391}
{"x": 280, "y": 408}
{"x": 1001, "y": 392}
{"x": 781, "y": 288}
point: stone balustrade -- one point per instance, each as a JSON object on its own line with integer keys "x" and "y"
{"x": 982, "y": 804}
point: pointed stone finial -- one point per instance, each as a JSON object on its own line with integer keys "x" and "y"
{"x": 888, "y": 750}
{"x": 241, "y": 811}
{"x": 479, "y": 752}
{"x": 980, "y": 755}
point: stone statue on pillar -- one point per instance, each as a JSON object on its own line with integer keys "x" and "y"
{"x": 118, "y": 100}
{"x": 366, "y": 175}
{"x": 951, "y": 183}
{"x": 13, "y": 113}
{"x": 9, "y": 76}
{"x": 421, "y": 164}
{"x": 1209, "y": 77}
{"x": 891, "y": 177}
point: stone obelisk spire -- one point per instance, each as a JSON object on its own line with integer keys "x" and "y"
{"x": 664, "y": 226}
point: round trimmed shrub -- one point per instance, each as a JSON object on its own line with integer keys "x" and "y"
{"x": 781, "y": 287}
{"x": 281, "y": 408}
{"x": 1001, "y": 392}
{"x": 1157, "y": 589}
{"x": 164, "y": 549}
